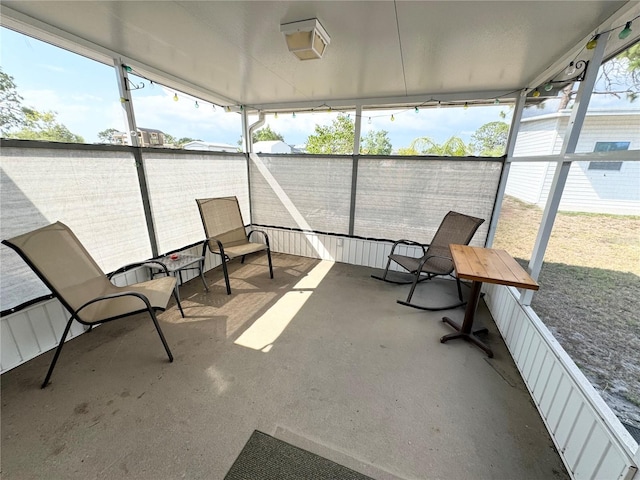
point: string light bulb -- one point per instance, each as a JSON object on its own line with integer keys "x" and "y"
{"x": 536, "y": 93}
{"x": 466, "y": 105}
{"x": 571, "y": 69}
{"x": 293, "y": 114}
{"x": 369, "y": 121}
{"x": 496, "y": 101}
{"x": 275, "y": 115}
{"x": 393, "y": 119}
{"x": 196, "y": 105}
{"x": 175, "y": 97}
{"x": 548, "y": 87}
{"x": 417, "y": 110}
{"x": 591, "y": 44}
{"x": 127, "y": 68}
{"x": 439, "y": 103}
{"x": 625, "y": 32}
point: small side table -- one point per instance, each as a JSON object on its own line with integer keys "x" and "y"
{"x": 178, "y": 263}
{"x": 483, "y": 265}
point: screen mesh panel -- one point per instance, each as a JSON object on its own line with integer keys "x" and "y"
{"x": 96, "y": 193}
{"x": 302, "y": 192}
{"x": 398, "y": 198}
{"x": 176, "y": 180}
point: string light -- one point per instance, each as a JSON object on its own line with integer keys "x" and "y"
{"x": 591, "y": 44}
{"x": 548, "y": 87}
{"x": 196, "y": 105}
{"x": 293, "y": 114}
{"x": 417, "y": 110}
{"x": 369, "y": 122}
{"x": 496, "y": 101}
{"x": 175, "y": 97}
{"x": 536, "y": 93}
{"x": 466, "y": 105}
{"x": 571, "y": 69}
{"x": 393, "y": 119}
{"x": 275, "y": 115}
{"x": 127, "y": 68}
{"x": 626, "y": 31}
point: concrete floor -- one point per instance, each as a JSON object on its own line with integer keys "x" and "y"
{"x": 322, "y": 357}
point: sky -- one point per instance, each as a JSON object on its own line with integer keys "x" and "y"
{"x": 85, "y": 96}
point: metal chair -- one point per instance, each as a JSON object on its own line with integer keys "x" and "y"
{"x": 56, "y": 255}
{"x": 226, "y": 233}
{"x": 455, "y": 228}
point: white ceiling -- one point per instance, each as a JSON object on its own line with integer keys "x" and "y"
{"x": 232, "y": 52}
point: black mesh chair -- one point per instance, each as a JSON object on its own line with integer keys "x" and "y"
{"x": 436, "y": 260}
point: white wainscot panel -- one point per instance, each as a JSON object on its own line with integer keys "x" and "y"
{"x": 590, "y": 439}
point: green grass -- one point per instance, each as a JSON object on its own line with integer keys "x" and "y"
{"x": 589, "y": 287}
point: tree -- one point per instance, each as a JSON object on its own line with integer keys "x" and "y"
{"x": 266, "y": 134}
{"x": 376, "y": 142}
{"x": 11, "y": 110}
{"x": 43, "y": 126}
{"x": 490, "y": 140}
{"x": 453, "y": 147}
{"x": 106, "y": 136}
{"x": 17, "y": 121}
{"x": 336, "y": 138}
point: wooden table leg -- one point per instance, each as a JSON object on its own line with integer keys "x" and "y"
{"x": 464, "y": 330}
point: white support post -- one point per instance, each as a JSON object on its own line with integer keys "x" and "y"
{"x": 571, "y": 137}
{"x": 511, "y": 143}
{"x": 358, "y": 128}
{"x": 246, "y": 134}
{"x": 125, "y": 100}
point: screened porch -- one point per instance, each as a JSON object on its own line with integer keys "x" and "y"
{"x": 322, "y": 356}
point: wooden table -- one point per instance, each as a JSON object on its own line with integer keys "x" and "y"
{"x": 483, "y": 265}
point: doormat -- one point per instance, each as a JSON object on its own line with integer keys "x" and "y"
{"x": 267, "y": 458}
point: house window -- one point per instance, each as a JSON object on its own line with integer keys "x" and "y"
{"x": 608, "y": 147}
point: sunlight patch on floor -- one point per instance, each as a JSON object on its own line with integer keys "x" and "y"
{"x": 266, "y": 329}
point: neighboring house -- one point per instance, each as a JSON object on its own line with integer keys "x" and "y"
{"x": 147, "y": 137}
{"x": 597, "y": 187}
{"x": 210, "y": 146}
{"x": 272, "y": 146}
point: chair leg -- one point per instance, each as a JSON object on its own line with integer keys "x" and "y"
{"x": 176, "y": 295}
{"x": 57, "y": 354}
{"x": 384, "y": 275}
{"x": 270, "y": 264}
{"x": 226, "y": 275}
{"x": 413, "y": 287}
{"x": 204, "y": 280}
{"x": 164, "y": 342}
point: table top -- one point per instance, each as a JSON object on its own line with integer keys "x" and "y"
{"x": 176, "y": 264}
{"x": 490, "y": 265}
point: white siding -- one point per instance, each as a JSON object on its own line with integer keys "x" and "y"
{"x": 595, "y": 191}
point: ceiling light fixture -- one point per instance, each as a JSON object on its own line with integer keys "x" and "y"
{"x": 306, "y": 39}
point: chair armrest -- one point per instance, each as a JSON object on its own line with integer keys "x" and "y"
{"x": 137, "y": 264}
{"x": 205, "y": 244}
{"x": 411, "y": 243}
{"x": 264, "y": 234}
{"x": 110, "y": 297}
{"x": 429, "y": 257}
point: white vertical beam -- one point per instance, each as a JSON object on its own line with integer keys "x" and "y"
{"x": 511, "y": 143}
{"x": 125, "y": 100}
{"x": 571, "y": 137}
{"x": 358, "y": 130}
